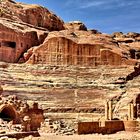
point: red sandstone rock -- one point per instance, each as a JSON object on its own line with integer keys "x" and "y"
{"x": 32, "y": 14}
{"x": 16, "y": 38}
{"x": 79, "y": 48}
{"x": 1, "y": 90}
{"x": 75, "y": 25}
{"x": 25, "y": 26}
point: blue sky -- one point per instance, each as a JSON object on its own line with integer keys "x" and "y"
{"x": 104, "y": 15}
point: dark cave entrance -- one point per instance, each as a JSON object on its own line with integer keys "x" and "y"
{"x": 9, "y": 44}
{"x": 7, "y": 114}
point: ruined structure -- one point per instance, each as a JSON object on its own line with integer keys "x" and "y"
{"x": 15, "y": 111}
{"x": 22, "y": 27}
{"x": 15, "y": 39}
{"x": 110, "y": 125}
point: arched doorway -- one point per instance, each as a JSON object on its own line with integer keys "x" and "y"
{"x": 7, "y": 113}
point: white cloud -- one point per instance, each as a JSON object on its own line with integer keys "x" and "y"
{"x": 92, "y": 4}
{"x": 104, "y": 4}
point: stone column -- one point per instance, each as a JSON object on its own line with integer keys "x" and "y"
{"x": 26, "y": 124}
{"x": 106, "y": 111}
{"x": 132, "y": 111}
{"x": 135, "y": 111}
{"x": 129, "y": 111}
{"x": 110, "y": 110}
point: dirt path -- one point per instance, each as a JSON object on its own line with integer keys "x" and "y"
{"x": 117, "y": 136}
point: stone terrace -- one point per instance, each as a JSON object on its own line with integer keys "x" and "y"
{"x": 68, "y": 89}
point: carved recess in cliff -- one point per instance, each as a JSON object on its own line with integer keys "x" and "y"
{"x": 16, "y": 39}
{"x": 63, "y": 51}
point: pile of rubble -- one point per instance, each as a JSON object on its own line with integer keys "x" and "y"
{"x": 59, "y": 127}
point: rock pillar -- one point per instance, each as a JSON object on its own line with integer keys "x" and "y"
{"x": 26, "y": 124}
{"x": 110, "y": 110}
{"x": 135, "y": 111}
{"x": 131, "y": 111}
{"x": 106, "y": 111}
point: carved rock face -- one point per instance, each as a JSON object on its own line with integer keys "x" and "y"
{"x": 15, "y": 39}
{"x": 24, "y": 27}
{"x": 80, "y": 48}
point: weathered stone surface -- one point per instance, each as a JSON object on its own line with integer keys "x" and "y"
{"x": 16, "y": 38}
{"x": 118, "y": 34}
{"x": 66, "y": 89}
{"x": 75, "y": 25}
{"x": 129, "y": 43}
{"x": 15, "y": 111}
{"x": 79, "y": 48}
{"x": 24, "y": 27}
{"x": 1, "y": 90}
{"x": 31, "y": 14}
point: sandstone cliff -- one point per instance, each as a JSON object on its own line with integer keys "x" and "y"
{"x": 70, "y": 44}
{"x": 27, "y": 34}
{"x": 77, "y": 46}
{"x": 16, "y": 38}
{"x": 22, "y": 27}
{"x": 31, "y": 14}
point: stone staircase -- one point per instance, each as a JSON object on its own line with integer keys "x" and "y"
{"x": 54, "y": 87}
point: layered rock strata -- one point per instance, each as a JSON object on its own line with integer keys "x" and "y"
{"x": 23, "y": 26}
{"x": 17, "y": 38}
{"x": 31, "y": 14}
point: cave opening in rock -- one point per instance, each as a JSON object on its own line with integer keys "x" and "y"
{"x": 7, "y": 114}
{"x": 132, "y": 53}
{"x": 9, "y": 44}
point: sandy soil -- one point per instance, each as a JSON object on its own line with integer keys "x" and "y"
{"x": 117, "y": 136}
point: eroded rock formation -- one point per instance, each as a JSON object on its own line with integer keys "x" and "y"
{"x": 16, "y": 39}
{"x": 84, "y": 48}
{"x": 31, "y": 14}
{"x": 75, "y": 25}
{"x": 25, "y": 27}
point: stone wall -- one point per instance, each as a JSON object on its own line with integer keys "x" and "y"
{"x": 96, "y": 127}
{"x": 37, "y": 117}
{"x": 106, "y": 127}
{"x": 18, "y": 112}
